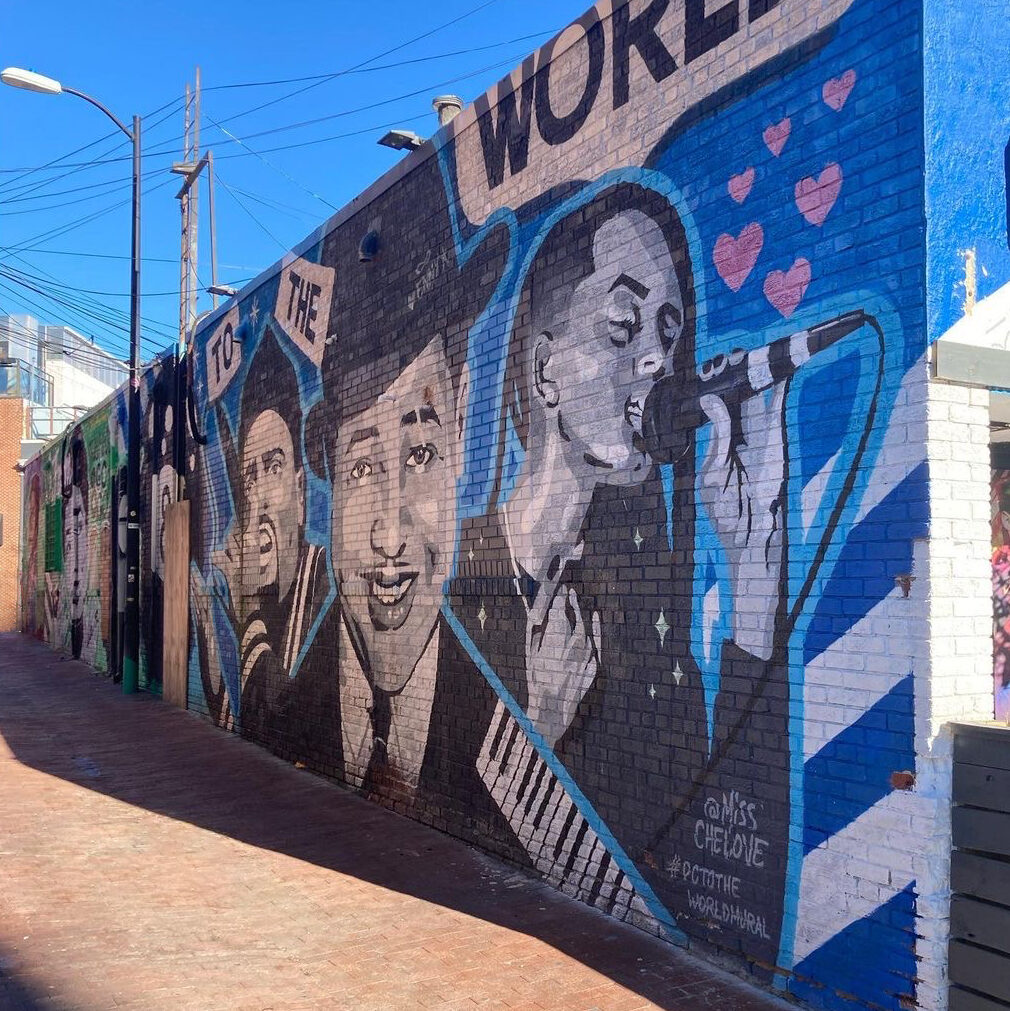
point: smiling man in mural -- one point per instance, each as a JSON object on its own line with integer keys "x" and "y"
{"x": 387, "y": 699}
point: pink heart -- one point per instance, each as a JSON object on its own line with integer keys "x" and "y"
{"x": 816, "y": 197}
{"x": 739, "y": 186}
{"x": 735, "y": 258}
{"x": 785, "y": 288}
{"x": 776, "y": 136}
{"x": 836, "y": 91}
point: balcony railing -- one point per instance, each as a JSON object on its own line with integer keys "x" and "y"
{"x": 20, "y": 379}
{"x": 45, "y": 422}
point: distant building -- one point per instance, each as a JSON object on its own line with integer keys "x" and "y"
{"x": 22, "y": 372}
{"x": 58, "y": 371}
{"x": 83, "y": 373}
{"x": 49, "y": 376}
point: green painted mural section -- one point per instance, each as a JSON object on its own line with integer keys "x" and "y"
{"x": 68, "y": 544}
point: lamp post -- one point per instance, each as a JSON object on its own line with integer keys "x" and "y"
{"x": 30, "y": 81}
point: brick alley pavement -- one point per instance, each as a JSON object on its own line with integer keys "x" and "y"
{"x": 148, "y": 860}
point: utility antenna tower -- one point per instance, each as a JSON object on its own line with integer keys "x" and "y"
{"x": 188, "y": 196}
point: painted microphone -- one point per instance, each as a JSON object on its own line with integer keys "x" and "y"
{"x": 673, "y": 409}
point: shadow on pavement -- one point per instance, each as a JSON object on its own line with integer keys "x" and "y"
{"x": 56, "y": 716}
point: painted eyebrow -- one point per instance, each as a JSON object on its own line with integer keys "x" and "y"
{"x": 427, "y": 413}
{"x": 273, "y": 454}
{"x": 361, "y": 435}
{"x": 635, "y": 287}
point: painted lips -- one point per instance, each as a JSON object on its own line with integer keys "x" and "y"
{"x": 266, "y": 542}
{"x": 390, "y": 596}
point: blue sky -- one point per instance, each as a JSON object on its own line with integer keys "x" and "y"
{"x": 137, "y": 58}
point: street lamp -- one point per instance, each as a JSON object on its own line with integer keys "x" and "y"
{"x": 30, "y": 81}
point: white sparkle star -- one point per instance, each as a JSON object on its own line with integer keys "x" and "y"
{"x": 638, "y": 538}
{"x": 469, "y": 554}
{"x": 254, "y": 312}
{"x": 652, "y": 691}
{"x": 482, "y": 616}
{"x": 662, "y": 627}
{"x": 677, "y": 672}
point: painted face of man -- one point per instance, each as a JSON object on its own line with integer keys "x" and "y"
{"x": 273, "y": 506}
{"x": 394, "y": 515}
{"x": 75, "y": 551}
{"x": 622, "y": 324}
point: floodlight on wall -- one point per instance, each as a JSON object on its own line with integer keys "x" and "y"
{"x": 368, "y": 248}
{"x": 401, "y": 140}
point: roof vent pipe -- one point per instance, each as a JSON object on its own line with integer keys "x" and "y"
{"x": 448, "y": 107}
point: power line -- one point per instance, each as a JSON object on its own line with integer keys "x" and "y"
{"x": 383, "y": 66}
{"x": 276, "y": 205}
{"x": 28, "y": 244}
{"x": 271, "y": 165}
{"x": 24, "y": 189}
{"x": 93, "y": 355}
{"x": 109, "y": 294}
{"x": 241, "y": 204}
{"x": 509, "y": 61}
{"x": 371, "y": 59}
{"x": 120, "y": 256}
{"x": 94, "y": 319}
{"x": 55, "y": 162}
{"x": 111, "y": 184}
{"x": 105, "y": 313}
{"x": 42, "y": 311}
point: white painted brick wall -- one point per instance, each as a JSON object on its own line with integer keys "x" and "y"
{"x": 956, "y": 682}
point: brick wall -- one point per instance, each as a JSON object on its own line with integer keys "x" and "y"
{"x": 66, "y": 560}
{"x": 586, "y": 517}
{"x": 12, "y": 412}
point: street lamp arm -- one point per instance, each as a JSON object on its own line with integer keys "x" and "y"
{"x": 98, "y": 105}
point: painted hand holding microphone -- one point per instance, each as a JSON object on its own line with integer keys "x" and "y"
{"x": 742, "y": 486}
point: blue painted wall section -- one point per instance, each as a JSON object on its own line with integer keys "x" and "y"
{"x": 966, "y": 73}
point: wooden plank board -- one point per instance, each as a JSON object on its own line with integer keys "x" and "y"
{"x": 980, "y": 876}
{"x": 985, "y": 971}
{"x": 981, "y": 787}
{"x": 988, "y": 831}
{"x": 981, "y": 923}
{"x": 962, "y": 1000}
{"x": 175, "y": 640}
{"x": 986, "y": 746}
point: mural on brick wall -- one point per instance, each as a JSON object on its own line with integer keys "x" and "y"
{"x": 1000, "y": 488}
{"x": 543, "y": 503}
{"x": 67, "y": 548}
{"x": 161, "y": 450}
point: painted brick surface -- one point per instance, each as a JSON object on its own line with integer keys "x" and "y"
{"x": 68, "y": 543}
{"x": 73, "y": 559}
{"x": 12, "y": 413}
{"x": 543, "y": 527}
{"x": 580, "y": 489}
